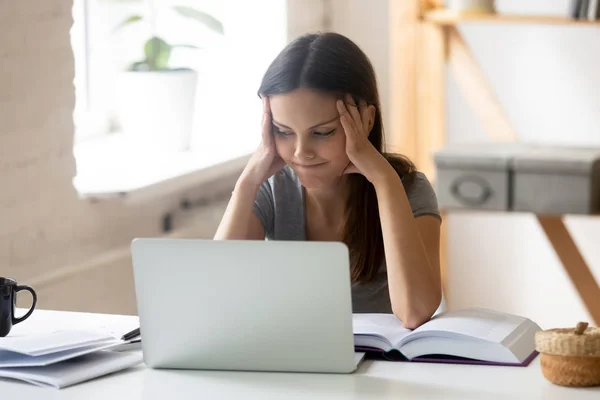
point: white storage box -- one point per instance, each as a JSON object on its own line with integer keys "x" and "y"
{"x": 557, "y": 180}
{"x": 519, "y": 177}
{"x": 475, "y": 176}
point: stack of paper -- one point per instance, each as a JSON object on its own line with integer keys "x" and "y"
{"x": 62, "y": 358}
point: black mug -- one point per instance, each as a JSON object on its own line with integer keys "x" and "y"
{"x": 8, "y": 299}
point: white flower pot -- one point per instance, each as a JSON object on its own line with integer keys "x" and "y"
{"x": 156, "y": 109}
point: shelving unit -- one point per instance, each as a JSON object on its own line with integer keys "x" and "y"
{"x": 424, "y": 39}
{"x": 443, "y": 17}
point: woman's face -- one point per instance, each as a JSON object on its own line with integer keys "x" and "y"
{"x": 309, "y": 136}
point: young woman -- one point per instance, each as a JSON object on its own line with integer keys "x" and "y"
{"x": 321, "y": 174}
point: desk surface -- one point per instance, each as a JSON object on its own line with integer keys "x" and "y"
{"x": 373, "y": 380}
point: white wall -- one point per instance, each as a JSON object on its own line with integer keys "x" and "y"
{"x": 547, "y": 79}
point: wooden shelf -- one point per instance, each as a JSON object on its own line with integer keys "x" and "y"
{"x": 444, "y": 17}
{"x": 423, "y": 45}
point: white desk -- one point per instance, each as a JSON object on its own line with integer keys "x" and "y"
{"x": 374, "y": 379}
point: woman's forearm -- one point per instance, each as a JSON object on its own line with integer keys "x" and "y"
{"x": 239, "y": 221}
{"x": 415, "y": 291}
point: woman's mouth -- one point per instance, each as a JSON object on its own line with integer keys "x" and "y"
{"x": 309, "y": 166}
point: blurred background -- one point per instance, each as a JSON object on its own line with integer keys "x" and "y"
{"x": 124, "y": 119}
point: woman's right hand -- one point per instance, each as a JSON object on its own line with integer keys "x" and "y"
{"x": 265, "y": 161}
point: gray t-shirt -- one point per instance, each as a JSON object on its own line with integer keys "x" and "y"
{"x": 279, "y": 205}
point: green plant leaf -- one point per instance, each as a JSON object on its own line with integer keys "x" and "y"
{"x": 157, "y": 53}
{"x": 130, "y": 20}
{"x": 202, "y": 17}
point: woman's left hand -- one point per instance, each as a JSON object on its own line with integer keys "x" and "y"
{"x": 364, "y": 157}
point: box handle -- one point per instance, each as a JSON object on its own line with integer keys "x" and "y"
{"x": 485, "y": 192}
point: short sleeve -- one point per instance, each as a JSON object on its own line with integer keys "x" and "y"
{"x": 264, "y": 207}
{"x": 422, "y": 198}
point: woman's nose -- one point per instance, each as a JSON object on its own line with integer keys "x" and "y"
{"x": 304, "y": 150}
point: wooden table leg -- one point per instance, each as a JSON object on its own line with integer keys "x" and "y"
{"x": 573, "y": 262}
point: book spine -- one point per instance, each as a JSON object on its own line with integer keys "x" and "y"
{"x": 583, "y": 9}
{"x": 592, "y": 10}
{"x": 574, "y": 10}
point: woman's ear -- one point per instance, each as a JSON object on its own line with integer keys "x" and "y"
{"x": 372, "y": 111}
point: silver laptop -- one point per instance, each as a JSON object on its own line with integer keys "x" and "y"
{"x": 245, "y": 305}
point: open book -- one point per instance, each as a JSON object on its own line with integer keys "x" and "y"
{"x": 473, "y": 335}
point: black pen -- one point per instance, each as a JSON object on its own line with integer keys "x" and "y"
{"x": 131, "y": 335}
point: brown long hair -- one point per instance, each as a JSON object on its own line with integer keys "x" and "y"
{"x": 332, "y": 63}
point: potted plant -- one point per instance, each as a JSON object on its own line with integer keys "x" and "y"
{"x": 155, "y": 101}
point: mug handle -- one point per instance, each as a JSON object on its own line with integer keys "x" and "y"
{"x": 34, "y": 297}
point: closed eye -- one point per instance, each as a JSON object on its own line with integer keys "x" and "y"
{"x": 278, "y": 131}
{"x": 325, "y": 134}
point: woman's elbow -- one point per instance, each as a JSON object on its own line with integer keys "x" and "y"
{"x": 414, "y": 316}
{"x": 413, "y": 320}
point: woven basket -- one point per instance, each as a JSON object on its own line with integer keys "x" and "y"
{"x": 570, "y": 356}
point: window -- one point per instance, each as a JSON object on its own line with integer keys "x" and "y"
{"x": 226, "y": 111}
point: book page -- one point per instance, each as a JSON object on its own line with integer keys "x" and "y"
{"x": 477, "y": 323}
{"x": 385, "y": 325}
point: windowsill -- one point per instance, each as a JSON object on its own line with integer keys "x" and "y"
{"x": 110, "y": 167}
